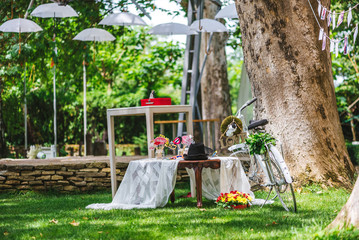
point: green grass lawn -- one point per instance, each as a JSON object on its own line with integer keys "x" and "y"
{"x": 48, "y": 216}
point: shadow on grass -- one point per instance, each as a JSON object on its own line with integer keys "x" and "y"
{"x": 24, "y": 216}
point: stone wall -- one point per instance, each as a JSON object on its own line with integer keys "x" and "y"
{"x": 63, "y": 177}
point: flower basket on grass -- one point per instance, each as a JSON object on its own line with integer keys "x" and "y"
{"x": 234, "y": 200}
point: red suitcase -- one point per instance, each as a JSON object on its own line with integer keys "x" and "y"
{"x": 155, "y": 101}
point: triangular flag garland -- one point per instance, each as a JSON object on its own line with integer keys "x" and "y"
{"x": 330, "y": 16}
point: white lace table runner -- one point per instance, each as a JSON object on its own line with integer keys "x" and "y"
{"x": 147, "y": 183}
{"x": 229, "y": 177}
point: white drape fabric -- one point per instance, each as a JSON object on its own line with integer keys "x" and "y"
{"x": 228, "y": 178}
{"x": 147, "y": 183}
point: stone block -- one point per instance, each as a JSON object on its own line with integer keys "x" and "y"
{"x": 25, "y": 183}
{"x": 107, "y": 184}
{"x": 74, "y": 166}
{"x": 38, "y": 188}
{"x": 48, "y": 167}
{"x": 107, "y": 170}
{"x": 80, "y": 184}
{"x": 1, "y": 182}
{"x": 91, "y": 174}
{"x": 121, "y": 165}
{"x": 89, "y": 170}
{"x": 75, "y": 178}
{"x": 9, "y": 173}
{"x": 71, "y": 188}
{"x": 119, "y": 178}
{"x": 5, "y": 186}
{"x": 57, "y": 187}
{"x": 102, "y": 180}
{"x": 44, "y": 177}
{"x": 2, "y": 178}
{"x": 23, "y": 187}
{"x": 86, "y": 188}
{"x": 63, "y": 169}
{"x": 36, "y": 182}
{"x": 48, "y": 172}
{"x": 3, "y": 167}
{"x": 63, "y": 182}
{"x": 18, "y": 168}
{"x": 31, "y": 173}
{"x": 26, "y": 178}
{"x": 64, "y": 173}
{"x": 89, "y": 179}
{"x": 96, "y": 165}
{"x": 57, "y": 177}
{"x": 97, "y": 184}
{"x": 12, "y": 182}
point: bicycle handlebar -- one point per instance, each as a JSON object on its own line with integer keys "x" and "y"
{"x": 249, "y": 102}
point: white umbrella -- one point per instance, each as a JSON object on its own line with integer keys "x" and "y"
{"x": 54, "y": 10}
{"x": 96, "y": 35}
{"x": 208, "y": 25}
{"x": 123, "y": 19}
{"x": 172, "y": 29}
{"x": 21, "y": 25}
{"x": 229, "y": 11}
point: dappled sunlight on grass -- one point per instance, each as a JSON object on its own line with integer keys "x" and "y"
{"x": 27, "y": 215}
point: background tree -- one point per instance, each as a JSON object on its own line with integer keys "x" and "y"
{"x": 216, "y": 101}
{"x": 293, "y": 80}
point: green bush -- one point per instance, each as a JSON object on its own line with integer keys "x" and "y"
{"x": 353, "y": 151}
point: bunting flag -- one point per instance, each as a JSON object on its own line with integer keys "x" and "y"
{"x": 329, "y": 19}
{"x": 324, "y": 12}
{"x": 340, "y": 18}
{"x": 350, "y": 16}
{"x": 355, "y": 34}
{"x": 332, "y": 43}
{"x": 321, "y": 34}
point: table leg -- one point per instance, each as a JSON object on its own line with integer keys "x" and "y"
{"x": 172, "y": 196}
{"x": 198, "y": 176}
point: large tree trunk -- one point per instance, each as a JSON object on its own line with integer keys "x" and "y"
{"x": 349, "y": 215}
{"x": 216, "y": 101}
{"x": 292, "y": 78}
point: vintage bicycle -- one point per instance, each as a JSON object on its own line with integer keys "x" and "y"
{"x": 265, "y": 171}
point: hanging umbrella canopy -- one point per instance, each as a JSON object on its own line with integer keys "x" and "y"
{"x": 208, "y": 25}
{"x": 171, "y": 29}
{"x": 123, "y": 19}
{"x": 54, "y": 10}
{"x": 20, "y": 25}
{"x": 94, "y": 34}
{"x": 228, "y": 12}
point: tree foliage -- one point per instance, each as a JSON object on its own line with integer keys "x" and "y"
{"x": 119, "y": 73}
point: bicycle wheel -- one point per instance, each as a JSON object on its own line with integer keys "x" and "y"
{"x": 283, "y": 189}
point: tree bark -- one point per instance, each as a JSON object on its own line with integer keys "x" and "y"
{"x": 216, "y": 101}
{"x": 292, "y": 78}
{"x": 349, "y": 215}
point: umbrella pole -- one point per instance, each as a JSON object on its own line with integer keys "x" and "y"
{"x": 55, "y": 125}
{"x": 25, "y": 109}
{"x": 85, "y": 106}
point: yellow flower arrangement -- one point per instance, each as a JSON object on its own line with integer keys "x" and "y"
{"x": 234, "y": 200}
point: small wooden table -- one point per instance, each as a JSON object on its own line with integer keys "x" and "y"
{"x": 147, "y": 111}
{"x": 197, "y": 166}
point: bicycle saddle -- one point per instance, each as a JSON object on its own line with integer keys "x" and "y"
{"x": 254, "y": 124}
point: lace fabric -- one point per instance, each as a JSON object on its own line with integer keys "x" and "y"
{"x": 229, "y": 177}
{"x": 147, "y": 183}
